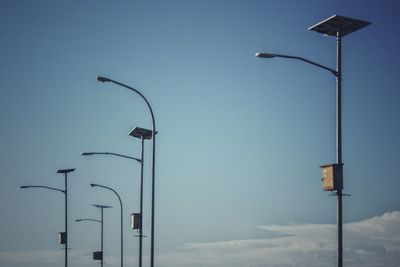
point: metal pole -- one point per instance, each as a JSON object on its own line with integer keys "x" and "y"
{"x": 339, "y": 145}
{"x": 141, "y": 205}
{"x": 102, "y": 252}
{"x": 66, "y": 221}
{"x": 122, "y": 234}
{"x": 153, "y": 164}
{"x": 153, "y": 192}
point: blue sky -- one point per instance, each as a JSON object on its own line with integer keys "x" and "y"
{"x": 240, "y": 139}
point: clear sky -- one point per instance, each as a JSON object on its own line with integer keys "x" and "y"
{"x": 240, "y": 139}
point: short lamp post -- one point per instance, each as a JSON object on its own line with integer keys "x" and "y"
{"x": 337, "y": 26}
{"x": 63, "y": 236}
{"x": 122, "y": 231}
{"x": 98, "y": 255}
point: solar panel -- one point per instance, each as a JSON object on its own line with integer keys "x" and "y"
{"x": 101, "y": 206}
{"x": 344, "y": 25}
{"x": 141, "y": 132}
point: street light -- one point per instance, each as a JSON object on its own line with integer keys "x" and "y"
{"x": 87, "y": 219}
{"x": 98, "y": 255}
{"x": 102, "y": 207}
{"x": 142, "y": 134}
{"x": 63, "y": 236}
{"x": 153, "y": 175}
{"x": 270, "y": 55}
{"x": 109, "y": 153}
{"x": 122, "y": 233}
{"x": 338, "y": 26}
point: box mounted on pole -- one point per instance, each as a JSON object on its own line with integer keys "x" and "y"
{"x": 98, "y": 255}
{"x": 136, "y": 221}
{"x": 62, "y": 238}
{"x": 332, "y": 177}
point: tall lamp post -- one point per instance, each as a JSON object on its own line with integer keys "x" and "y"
{"x": 338, "y": 26}
{"x": 142, "y": 134}
{"x": 63, "y": 236}
{"x": 122, "y": 232}
{"x": 153, "y": 175}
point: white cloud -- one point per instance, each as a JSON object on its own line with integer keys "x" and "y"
{"x": 56, "y": 258}
{"x": 42, "y": 257}
{"x": 373, "y": 242}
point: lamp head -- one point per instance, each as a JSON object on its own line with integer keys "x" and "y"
{"x": 103, "y": 79}
{"x": 93, "y": 185}
{"x": 87, "y": 153}
{"x": 265, "y": 55}
{"x": 24, "y": 186}
{"x": 78, "y": 220}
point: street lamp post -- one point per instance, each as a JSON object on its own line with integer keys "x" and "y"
{"x": 101, "y": 234}
{"x": 122, "y": 233}
{"x": 153, "y": 175}
{"x": 65, "y": 192}
{"x": 65, "y": 172}
{"x": 142, "y": 134}
{"x": 101, "y": 207}
{"x": 337, "y": 26}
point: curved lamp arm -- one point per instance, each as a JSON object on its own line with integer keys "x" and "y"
{"x": 109, "y": 188}
{"x": 87, "y": 219}
{"x": 42, "y": 186}
{"x": 103, "y": 79}
{"x": 270, "y": 55}
{"x": 110, "y": 153}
